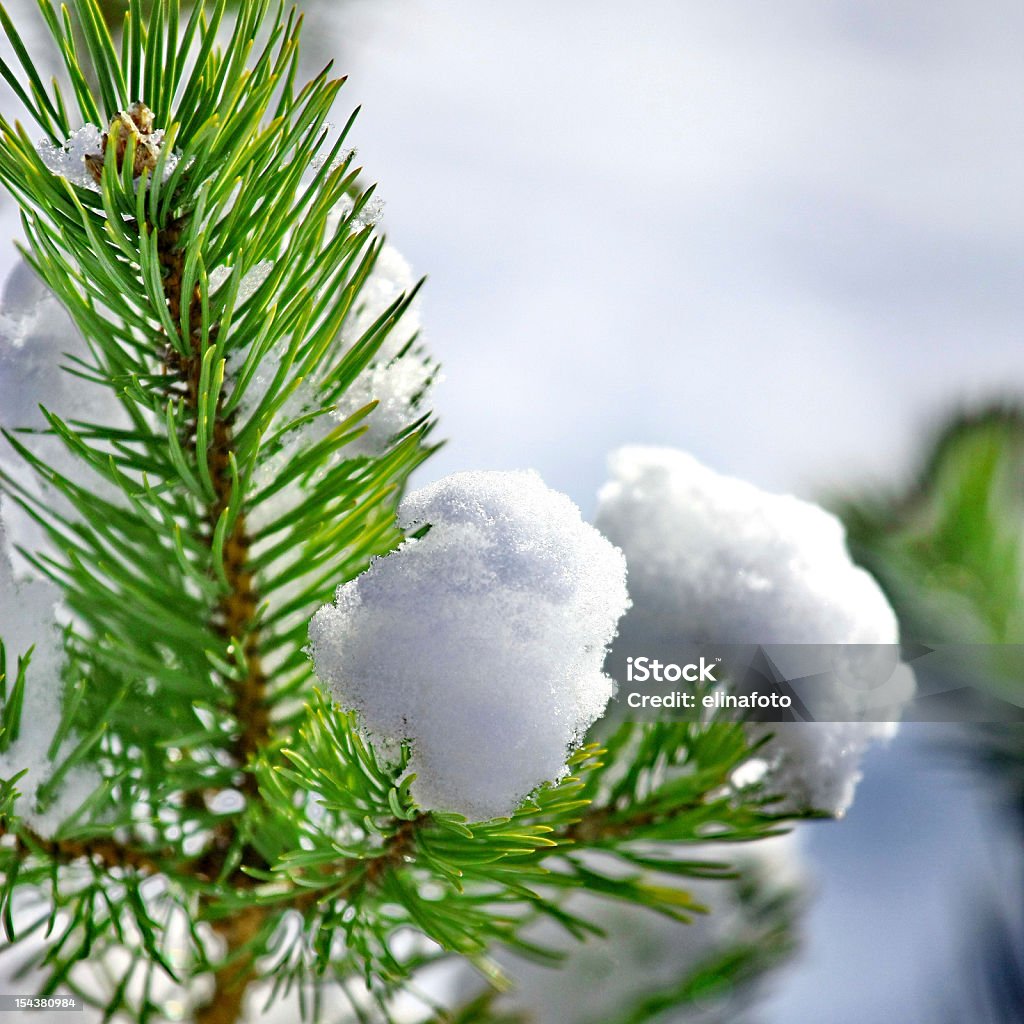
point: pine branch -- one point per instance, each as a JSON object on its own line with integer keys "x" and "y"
{"x": 163, "y": 353}
{"x": 105, "y": 852}
{"x": 218, "y": 274}
{"x": 237, "y": 970}
{"x": 235, "y": 616}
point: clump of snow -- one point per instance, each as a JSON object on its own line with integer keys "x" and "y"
{"x": 723, "y": 561}
{"x": 38, "y": 343}
{"x": 715, "y": 559}
{"x": 27, "y": 622}
{"x": 643, "y": 953}
{"x": 371, "y": 213}
{"x": 482, "y": 642}
{"x": 67, "y": 159}
{"x": 816, "y": 765}
{"x": 399, "y": 378}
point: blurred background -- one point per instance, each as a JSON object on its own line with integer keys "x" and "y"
{"x": 786, "y": 238}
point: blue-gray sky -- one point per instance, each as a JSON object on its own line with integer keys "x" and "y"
{"x": 784, "y": 236}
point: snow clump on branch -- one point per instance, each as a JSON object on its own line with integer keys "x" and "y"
{"x": 80, "y": 157}
{"x": 481, "y": 642}
{"x": 715, "y": 559}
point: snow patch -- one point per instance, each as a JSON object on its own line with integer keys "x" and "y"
{"x": 715, "y": 559}
{"x": 27, "y": 623}
{"x": 67, "y": 159}
{"x": 39, "y": 345}
{"x": 481, "y": 642}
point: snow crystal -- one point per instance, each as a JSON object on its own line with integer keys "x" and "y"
{"x": 715, "y": 559}
{"x": 343, "y": 157}
{"x": 27, "y": 621}
{"x": 67, "y": 159}
{"x": 482, "y": 642}
{"x": 371, "y": 213}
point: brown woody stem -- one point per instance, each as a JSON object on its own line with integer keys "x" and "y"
{"x": 234, "y": 619}
{"x": 235, "y": 615}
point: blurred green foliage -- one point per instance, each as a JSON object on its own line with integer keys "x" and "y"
{"x": 949, "y": 549}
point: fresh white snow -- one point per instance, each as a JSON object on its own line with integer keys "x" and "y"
{"x": 28, "y": 624}
{"x": 715, "y": 559}
{"x": 482, "y": 642}
{"x": 40, "y": 345}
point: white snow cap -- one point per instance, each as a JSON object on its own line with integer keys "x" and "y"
{"x": 482, "y": 642}
{"x": 27, "y": 622}
{"x": 715, "y": 559}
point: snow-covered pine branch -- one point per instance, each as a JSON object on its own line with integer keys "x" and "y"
{"x": 480, "y": 642}
{"x": 237, "y": 399}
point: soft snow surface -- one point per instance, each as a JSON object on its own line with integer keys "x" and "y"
{"x": 42, "y": 354}
{"x": 482, "y": 642}
{"x": 715, "y": 559}
{"x": 28, "y": 627}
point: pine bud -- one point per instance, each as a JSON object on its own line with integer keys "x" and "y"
{"x": 134, "y": 123}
